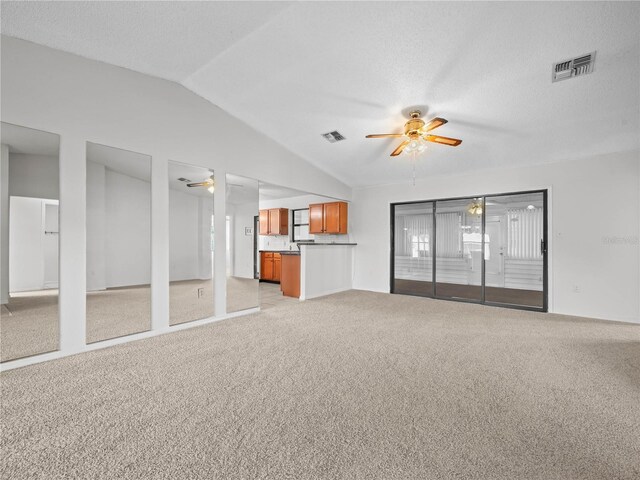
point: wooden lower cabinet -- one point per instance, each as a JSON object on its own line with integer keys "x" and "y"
{"x": 290, "y": 282}
{"x": 270, "y": 266}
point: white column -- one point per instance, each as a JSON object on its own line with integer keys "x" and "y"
{"x": 220, "y": 244}
{"x": 4, "y": 225}
{"x": 159, "y": 243}
{"x": 73, "y": 275}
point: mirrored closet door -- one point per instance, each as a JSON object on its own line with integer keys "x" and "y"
{"x": 118, "y": 242}
{"x": 29, "y": 236}
{"x": 191, "y": 193}
{"x": 241, "y": 209}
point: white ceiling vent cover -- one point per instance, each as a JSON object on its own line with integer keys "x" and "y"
{"x": 574, "y": 67}
{"x": 333, "y": 137}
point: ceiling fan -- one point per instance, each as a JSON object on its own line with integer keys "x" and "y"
{"x": 209, "y": 184}
{"x": 416, "y": 135}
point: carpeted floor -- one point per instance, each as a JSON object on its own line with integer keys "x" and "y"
{"x": 30, "y": 325}
{"x": 354, "y": 385}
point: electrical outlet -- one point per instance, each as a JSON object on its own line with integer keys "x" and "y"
{"x": 200, "y": 292}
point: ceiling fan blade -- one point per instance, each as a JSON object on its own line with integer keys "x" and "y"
{"x": 452, "y": 142}
{"x": 199, "y": 184}
{"x": 385, "y": 135}
{"x": 433, "y": 124}
{"x": 400, "y": 148}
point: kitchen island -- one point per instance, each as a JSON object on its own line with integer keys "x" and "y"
{"x": 325, "y": 268}
{"x": 317, "y": 269}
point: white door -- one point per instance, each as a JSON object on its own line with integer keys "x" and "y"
{"x": 494, "y": 252}
{"x": 50, "y": 244}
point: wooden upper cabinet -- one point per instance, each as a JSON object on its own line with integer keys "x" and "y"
{"x": 264, "y": 222}
{"x": 316, "y": 218}
{"x": 328, "y": 217}
{"x": 274, "y": 221}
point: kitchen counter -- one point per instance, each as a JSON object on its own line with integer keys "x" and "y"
{"x": 325, "y": 268}
{"x": 283, "y": 252}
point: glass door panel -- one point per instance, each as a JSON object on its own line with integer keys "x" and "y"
{"x": 514, "y": 258}
{"x": 413, "y": 249}
{"x": 459, "y": 249}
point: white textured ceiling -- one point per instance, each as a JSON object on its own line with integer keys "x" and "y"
{"x": 297, "y": 70}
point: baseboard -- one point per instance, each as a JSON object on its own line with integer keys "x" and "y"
{"x": 45, "y": 357}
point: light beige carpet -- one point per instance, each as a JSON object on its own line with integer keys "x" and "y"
{"x": 186, "y": 304}
{"x": 29, "y": 325}
{"x": 354, "y": 385}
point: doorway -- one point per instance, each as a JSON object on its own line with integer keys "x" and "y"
{"x": 489, "y": 249}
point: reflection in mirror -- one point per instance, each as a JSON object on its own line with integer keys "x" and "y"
{"x": 29, "y": 191}
{"x": 190, "y": 243}
{"x": 118, "y": 242}
{"x": 241, "y": 212}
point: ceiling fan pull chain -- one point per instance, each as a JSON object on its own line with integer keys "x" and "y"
{"x": 414, "y": 168}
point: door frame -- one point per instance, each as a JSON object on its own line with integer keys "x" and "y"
{"x": 482, "y": 301}
{"x": 256, "y": 227}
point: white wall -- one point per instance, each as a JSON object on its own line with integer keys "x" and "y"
{"x": 84, "y": 100}
{"x": 128, "y": 224}
{"x": 189, "y": 249}
{"x": 242, "y": 216}
{"x": 4, "y": 224}
{"x": 34, "y": 176}
{"x": 26, "y": 252}
{"x": 96, "y": 227}
{"x": 594, "y": 229}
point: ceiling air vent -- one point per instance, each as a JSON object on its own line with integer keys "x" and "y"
{"x": 573, "y": 67}
{"x": 333, "y": 137}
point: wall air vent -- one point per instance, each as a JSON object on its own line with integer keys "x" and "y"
{"x": 333, "y": 137}
{"x": 573, "y": 67}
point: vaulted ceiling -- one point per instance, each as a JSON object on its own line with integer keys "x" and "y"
{"x": 295, "y": 70}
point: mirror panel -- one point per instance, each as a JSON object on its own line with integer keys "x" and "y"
{"x": 118, "y": 242}
{"x": 242, "y": 195}
{"x": 191, "y": 191}
{"x": 29, "y": 236}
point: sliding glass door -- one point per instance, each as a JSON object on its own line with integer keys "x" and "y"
{"x": 459, "y": 249}
{"x": 413, "y": 239}
{"x": 516, "y": 247}
{"x": 485, "y": 249}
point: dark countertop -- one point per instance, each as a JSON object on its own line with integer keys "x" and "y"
{"x": 326, "y": 243}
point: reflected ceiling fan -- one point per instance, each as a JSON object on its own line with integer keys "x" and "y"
{"x": 210, "y": 184}
{"x": 416, "y": 135}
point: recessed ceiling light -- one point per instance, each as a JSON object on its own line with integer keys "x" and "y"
{"x": 530, "y": 207}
